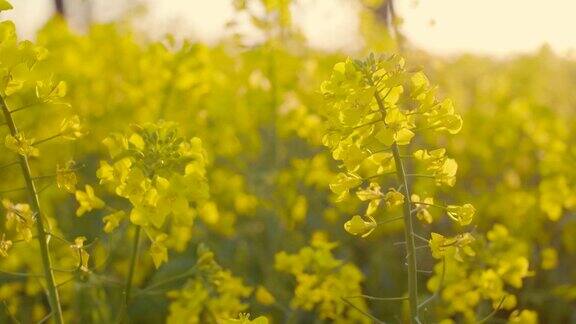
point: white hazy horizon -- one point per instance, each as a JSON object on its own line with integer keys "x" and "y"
{"x": 444, "y": 27}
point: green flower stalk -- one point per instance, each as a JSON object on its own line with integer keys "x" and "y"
{"x": 19, "y": 81}
{"x": 163, "y": 177}
{"x": 374, "y": 110}
{"x": 53, "y": 297}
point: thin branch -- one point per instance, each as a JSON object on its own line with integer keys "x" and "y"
{"x": 12, "y": 190}
{"x": 66, "y": 281}
{"x": 379, "y": 298}
{"x": 489, "y": 316}
{"x": 47, "y": 139}
{"x": 427, "y": 204}
{"x": 21, "y": 274}
{"x": 46, "y": 176}
{"x": 368, "y": 123}
{"x": 45, "y": 318}
{"x": 133, "y": 261}
{"x": 53, "y": 175}
{"x": 128, "y": 284}
{"x": 390, "y": 220}
{"x": 45, "y": 187}
{"x": 64, "y": 270}
{"x": 425, "y": 271}
{"x": 167, "y": 281}
{"x": 386, "y": 149}
{"x": 94, "y": 241}
{"x": 423, "y": 239}
{"x": 380, "y": 100}
{"x": 9, "y": 164}
{"x": 58, "y": 237}
{"x": 440, "y": 286}
{"x": 416, "y": 175}
{"x": 36, "y": 103}
{"x": 106, "y": 279}
{"x": 378, "y": 175}
{"x": 9, "y": 313}
{"x": 372, "y": 317}
{"x": 416, "y": 248}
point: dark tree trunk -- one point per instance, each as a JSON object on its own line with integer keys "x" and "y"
{"x": 59, "y": 4}
{"x": 387, "y": 14}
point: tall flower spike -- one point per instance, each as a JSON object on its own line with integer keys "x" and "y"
{"x": 374, "y": 109}
{"x": 19, "y": 75}
{"x": 162, "y": 175}
{"x": 375, "y": 104}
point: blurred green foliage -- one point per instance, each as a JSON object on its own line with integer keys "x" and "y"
{"x": 269, "y": 239}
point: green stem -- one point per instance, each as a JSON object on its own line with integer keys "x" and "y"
{"x": 408, "y": 226}
{"x": 485, "y": 319}
{"x": 129, "y": 278}
{"x": 9, "y": 313}
{"x": 416, "y": 175}
{"x": 12, "y": 190}
{"x": 368, "y": 123}
{"x": 390, "y": 220}
{"x": 153, "y": 286}
{"x": 9, "y": 164}
{"x": 26, "y": 106}
{"x": 379, "y": 298}
{"x": 47, "y": 139}
{"x": 372, "y": 317}
{"x": 423, "y": 239}
{"x": 377, "y": 175}
{"x": 427, "y": 204}
{"x": 409, "y": 236}
{"x": 21, "y": 274}
{"x": 53, "y": 298}
{"x": 440, "y": 286}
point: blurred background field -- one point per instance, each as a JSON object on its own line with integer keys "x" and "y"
{"x": 244, "y": 77}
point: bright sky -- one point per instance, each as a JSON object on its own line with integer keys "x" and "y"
{"x": 495, "y": 27}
